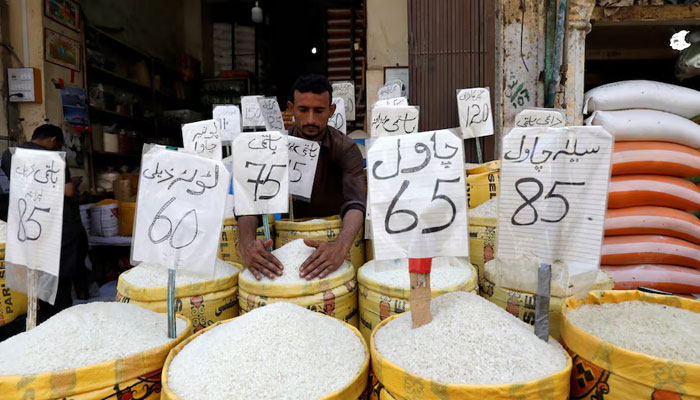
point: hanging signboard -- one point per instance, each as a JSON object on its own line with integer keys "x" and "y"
{"x": 394, "y": 120}
{"x": 271, "y": 113}
{"x": 337, "y": 120}
{"x": 251, "y": 115}
{"x": 346, "y": 91}
{"x": 475, "y": 115}
{"x": 303, "y": 158}
{"x": 228, "y": 118}
{"x": 202, "y": 138}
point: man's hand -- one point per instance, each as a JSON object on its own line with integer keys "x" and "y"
{"x": 327, "y": 258}
{"x": 260, "y": 261}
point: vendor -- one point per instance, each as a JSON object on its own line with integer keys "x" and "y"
{"x": 338, "y": 189}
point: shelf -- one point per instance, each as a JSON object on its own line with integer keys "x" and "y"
{"x": 111, "y": 154}
{"x": 123, "y": 117}
{"x": 683, "y": 14}
{"x": 119, "y": 77}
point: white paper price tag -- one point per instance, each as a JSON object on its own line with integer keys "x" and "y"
{"x": 202, "y": 138}
{"x": 418, "y": 203}
{"x": 180, "y": 210}
{"x": 35, "y": 212}
{"x": 398, "y": 101}
{"x": 346, "y": 91}
{"x": 540, "y": 117}
{"x": 260, "y": 173}
{"x": 475, "y": 117}
{"x": 337, "y": 120}
{"x": 271, "y": 113}
{"x": 228, "y": 118}
{"x": 251, "y": 114}
{"x": 553, "y": 194}
{"x": 391, "y": 90}
{"x": 303, "y": 158}
{"x": 387, "y": 121}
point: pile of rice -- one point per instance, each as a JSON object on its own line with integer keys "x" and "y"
{"x": 487, "y": 209}
{"x": 280, "y": 351}
{"x": 154, "y": 276}
{"x": 469, "y": 341}
{"x": 653, "y": 329}
{"x": 292, "y": 255}
{"x": 84, "y": 335}
{"x": 445, "y": 272}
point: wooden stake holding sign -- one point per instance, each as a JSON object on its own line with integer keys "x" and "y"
{"x": 34, "y": 226}
{"x": 426, "y": 216}
{"x": 552, "y": 202}
{"x": 179, "y": 214}
{"x": 260, "y": 175}
{"x": 475, "y": 116}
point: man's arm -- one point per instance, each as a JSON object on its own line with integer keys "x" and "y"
{"x": 330, "y": 256}
{"x": 255, "y": 255}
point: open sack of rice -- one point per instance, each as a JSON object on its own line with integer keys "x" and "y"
{"x": 90, "y": 351}
{"x": 334, "y": 295}
{"x": 204, "y": 299}
{"x": 281, "y": 351}
{"x": 633, "y": 345}
{"x": 471, "y": 350}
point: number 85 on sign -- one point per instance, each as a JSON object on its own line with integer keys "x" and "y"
{"x": 418, "y": 204}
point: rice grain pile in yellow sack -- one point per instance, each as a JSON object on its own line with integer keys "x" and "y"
{"x": 334, "y": 295}
{"x": 384, "y": 287}
{"x": 633, "y": 345}
{"x": 202, "y": 299}
{"x": 321, "y": 229}
{"x": 92, "y": 351}
{"x": 471, "y": 350}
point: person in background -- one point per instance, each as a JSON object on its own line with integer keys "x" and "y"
{"x": 74, "y": 242}
{"x": 338, "y": 189}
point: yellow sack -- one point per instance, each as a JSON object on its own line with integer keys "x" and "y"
{"x": 482, "y": 183}
{"x": 327, "y": 231}
{"x": 353, "y": 390}
{"x": 407, "y": 386}
{"x": 12, "y": 304}
{"x": 134, "y": 377}
{"x": 377, "y": 391}
{"x": 378, "y": 301}
{"x": 339, "y": 302}
{"x": 601, "y": 368}
{"x": 482, "y": 241}
{"x": 229, "y": 244}
{"x": 522, "y": 305}
{"x": 203, "y": 303}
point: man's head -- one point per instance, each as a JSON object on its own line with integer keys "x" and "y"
{"x": 312, "y": 104}
{"x": 48, "y": 136}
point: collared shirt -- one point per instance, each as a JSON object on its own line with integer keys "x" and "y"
{"x": 339, "y": 184}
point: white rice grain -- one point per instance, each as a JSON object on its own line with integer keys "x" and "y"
{"x": 653, "y": 329}
{"x": 84, "y": 335}
{"x": 292, "y": 255}
{"x": 487, "y": 209}
{"x": 469, "y": 341}
{"x": 445, "y": 272}
{"x": 154, "y": 276}
{"x": 280, "y": 351}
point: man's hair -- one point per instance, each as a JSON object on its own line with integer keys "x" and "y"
{"x": 314, "y": 83}
{"x": 48, "y": 131}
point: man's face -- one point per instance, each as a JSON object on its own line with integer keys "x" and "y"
{"x": 311, "y": 112}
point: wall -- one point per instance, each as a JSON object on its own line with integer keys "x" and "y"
{"x": 161, "y": 21}
{"x": 387, "y": 42}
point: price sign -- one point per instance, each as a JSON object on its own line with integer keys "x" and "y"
{"x": 202, "y": 138}
{"x": 387, "y": 121}
{"x": 35, "y": 218}
{"x": 260, "y": 173}
{"x": 418, "y": 203}
{"x": 271, "y": 113}
{"x": 553, "y": 194}
{"x": 391, "y": 90}
{"x": 475, "y": 117}
{"x": 303, "y": 157}
{"x": 337, "y": 120}
{"x": 228, "y": 118}
{"x": 250, "y": 112}
{"x": 180, "y": 210}
{"x": 346, "y": 91}
{"x": 540, "y": 117}
{"x": 397, "y": 101}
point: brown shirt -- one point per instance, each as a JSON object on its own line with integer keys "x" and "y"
{"x": 339, "y": 184}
